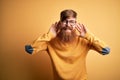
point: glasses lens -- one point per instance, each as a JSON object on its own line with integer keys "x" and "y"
{"x": 71, "y": 22}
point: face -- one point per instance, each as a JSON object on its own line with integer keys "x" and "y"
{"x": 67, "y": 30}
{"x": 69, "y": 22}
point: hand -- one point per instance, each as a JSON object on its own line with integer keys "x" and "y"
{"x": 29, "y": 49}
{"x": 81, "y": 29}
{"x": 53, "y": 29}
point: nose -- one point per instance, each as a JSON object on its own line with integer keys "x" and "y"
{"x": 67, "y": 23}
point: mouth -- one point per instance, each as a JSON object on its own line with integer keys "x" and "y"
{"x": 67, "y": 28}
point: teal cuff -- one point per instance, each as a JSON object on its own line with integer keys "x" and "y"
{"x": 105, "y": 50}
{"x": 28, "y": 49}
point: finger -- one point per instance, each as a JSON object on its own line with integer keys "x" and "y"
{"x": 53, "y": 27}
{"x": 81, "y": 26}
{"x": 78, "y": 28}
{"x": 56, "y": 24}
{"x": 84, "y": 28}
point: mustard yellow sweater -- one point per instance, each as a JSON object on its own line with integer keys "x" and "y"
{"x": 68, "y": 60}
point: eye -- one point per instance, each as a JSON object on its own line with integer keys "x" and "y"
{"x": 64, "y": 22}
{"x": 72, "y": 21}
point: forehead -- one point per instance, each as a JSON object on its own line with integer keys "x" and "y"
{"x": 71, "y": 18}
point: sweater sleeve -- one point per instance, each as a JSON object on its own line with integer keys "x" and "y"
{"x": 96, "y": 44}
{"x": 41, "y": 42}
{"x": 38, "y": 44}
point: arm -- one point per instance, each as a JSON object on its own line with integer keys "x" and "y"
{"x": 95, "y": 43}
{"x": 41, "y": 42}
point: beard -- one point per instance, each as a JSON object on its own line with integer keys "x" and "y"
{"x": 66, "y": 34}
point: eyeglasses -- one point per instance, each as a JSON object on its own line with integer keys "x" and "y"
{"x": 71, "y": 22}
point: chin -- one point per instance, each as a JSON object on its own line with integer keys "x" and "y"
{"x": 66, "y": 35}
{"x": 69, "y": 31}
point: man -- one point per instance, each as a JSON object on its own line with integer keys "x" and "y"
{"x": 67, "y": 43}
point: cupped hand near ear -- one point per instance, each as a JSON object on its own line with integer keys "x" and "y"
{"x": 81, "y": 29}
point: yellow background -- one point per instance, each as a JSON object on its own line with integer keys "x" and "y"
{"x": 22, "y": 21}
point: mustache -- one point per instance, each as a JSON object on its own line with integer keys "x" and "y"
{"x": 63, "y": 29}
{"x": 67, "y": 27}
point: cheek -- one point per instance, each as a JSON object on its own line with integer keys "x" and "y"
{"x": 63, "y": 25}
{"x": 74, "y": 27}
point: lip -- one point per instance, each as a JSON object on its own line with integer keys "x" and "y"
{"x": 68, "y": 30}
